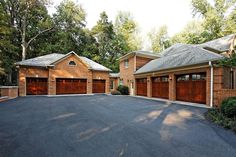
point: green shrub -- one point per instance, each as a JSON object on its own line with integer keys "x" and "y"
{"x": 219, "y": 118}
{"x": 124, "y": 90}
{"x": 228, "y": 107}
{"x": 115, "y": 93}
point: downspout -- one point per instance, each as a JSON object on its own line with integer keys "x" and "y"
{"x": 211, "y": 84}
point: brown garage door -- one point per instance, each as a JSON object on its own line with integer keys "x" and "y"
{"x": 99, "y": 86}
{"x": 160, "y": 87}
{"x": 191, "y": 87}
{"x": 141, "y": 86}
{"x": 71, "y": 86}
{"x": 36, "y": 86}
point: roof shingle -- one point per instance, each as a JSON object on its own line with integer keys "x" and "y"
{"x": 50, "y": 59}
{"x": 179, "y": 55}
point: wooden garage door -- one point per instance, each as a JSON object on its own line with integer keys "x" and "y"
{"x": 71, "y": 86}
{"x": 36, "y": 86}
{"x": 141, "y": 86}
{"x": 191, "y": 87}
{"x": 160, "y": 87}
{"x": 99, "y": 86}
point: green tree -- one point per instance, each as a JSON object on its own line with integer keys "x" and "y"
{"x": 191, "y": 34}
{"x": 159, "y": 39}
{"x": 126, "y": 27}
{"x": 8, "y": 44}
{"x": 30, "y": 18}
{"x": 218, "y": 17}
{"x": 110, "y": 45}
{"x": 70, "y": 34}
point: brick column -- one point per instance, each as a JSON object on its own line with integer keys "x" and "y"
{"x": 172, "y": 87}
{"x": 90, "y": 83}
{"x": 22, "y": 82}
{"x": 51, "y": 83}
{"x": 149, "y": 86}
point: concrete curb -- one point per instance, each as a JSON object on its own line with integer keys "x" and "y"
{"x": 174, "y": 102}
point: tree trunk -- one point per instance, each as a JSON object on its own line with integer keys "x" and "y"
{"x": 9, "y": 78}
{"x": 24, "y": 47}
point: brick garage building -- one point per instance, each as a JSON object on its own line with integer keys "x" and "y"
{"x": 62, "y": 74}
{"x": 130, "y": 63}
{"x": 183, "y": 72}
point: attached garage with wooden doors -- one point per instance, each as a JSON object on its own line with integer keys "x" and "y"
{"x": 99, "y": 86}
{"x": 36, "y": 86}
{"x": 160, "y": 87}
{"x": 141, "y": 87}
{"x": 71, "y": 86}
{"x": 191, "y": 87}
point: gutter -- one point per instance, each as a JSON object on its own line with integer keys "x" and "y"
{"x": 211, "y": 84}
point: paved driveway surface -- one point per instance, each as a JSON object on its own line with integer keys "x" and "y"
{"x": 108, "y": 126}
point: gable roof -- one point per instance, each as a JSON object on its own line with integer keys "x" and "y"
{"x": 51, "y": 59}
{"x": 145, "y": 54}
{"x": 179, "y": 55}
{"x": 221, "y": 44}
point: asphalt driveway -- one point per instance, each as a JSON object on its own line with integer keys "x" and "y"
{"x": 108, "y": 126}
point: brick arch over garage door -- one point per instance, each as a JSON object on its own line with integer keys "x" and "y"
{"x": 191, "y": 87}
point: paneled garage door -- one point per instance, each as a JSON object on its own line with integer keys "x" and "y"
{"x": 191, "y": 87}
{"x": 160, "y": 87}
{"x": 36, "y": 86}
{"x": 141, "y": 86}
{"x": 71, "y": 86}
{"x": 99, "y": 86}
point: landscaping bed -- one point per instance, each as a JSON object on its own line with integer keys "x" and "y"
{"x": 225, "y": 115}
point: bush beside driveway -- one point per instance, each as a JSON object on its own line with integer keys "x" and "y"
{"x": 102, "y": 125}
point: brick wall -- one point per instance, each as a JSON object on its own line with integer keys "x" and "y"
{"x": 29, "y": 72}
{"x": 9, "y": 91}
{"x": 62, "y": 70}
{"x": 141, "y": 61}
{"x": 127, "y": 74}
{"x": 115, "y": 83}
{"x": 223, "y": 94}
{"x": 100, "y": 75}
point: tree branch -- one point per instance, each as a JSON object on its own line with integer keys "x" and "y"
{"x": 46, "y": 30}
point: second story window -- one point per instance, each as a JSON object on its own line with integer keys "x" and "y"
{"x": 126, "y": 63}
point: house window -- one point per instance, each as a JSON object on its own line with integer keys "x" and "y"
{"x": 126, "y": 63}
{"x": 72, "y": 63}
{"x": 111, "y": 84}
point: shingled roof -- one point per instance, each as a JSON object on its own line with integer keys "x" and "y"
{"x": 221, "y": 44}
{"x": 179, "y": 55}
{"x": 51, "y": 59}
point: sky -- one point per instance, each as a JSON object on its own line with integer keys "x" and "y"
{"x": 148, "y": 14}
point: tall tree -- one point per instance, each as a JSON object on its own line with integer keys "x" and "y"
{"x": 8, "y": 44}
{"x": 110, "y": 45}
{"x": 70, "y": 23}
{"x": 159, "y": 39}
{"x": 191, "y": 34}
{"x": 126, "y": 27}
{"x": 30, "y": 18}
{"x": 218, "y": 16}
